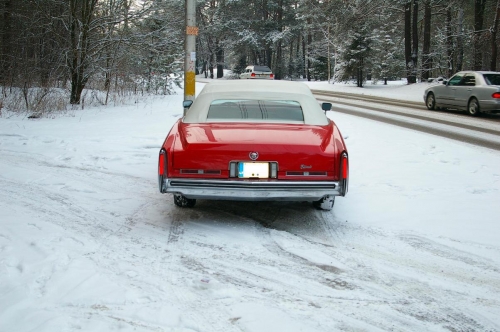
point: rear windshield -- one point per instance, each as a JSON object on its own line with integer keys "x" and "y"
{"x": 247, "y": 109}
{"x": 492, "y": 79}
{"x": 262, "y": 68}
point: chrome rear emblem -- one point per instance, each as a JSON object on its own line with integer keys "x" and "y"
{"x": 253, "y": 155}
{"x": 305, "y": 166}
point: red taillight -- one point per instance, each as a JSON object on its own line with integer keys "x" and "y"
{"x": 345, "y": 169}
{"x": 496, "y": 95}
{"x": 344, "y": 173}
{"x": 161, "y": 162}
{"x": 253, "y": 75}
{"x": 271, "y": 76}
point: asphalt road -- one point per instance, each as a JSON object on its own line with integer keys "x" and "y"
{"x": 481, "y": 131}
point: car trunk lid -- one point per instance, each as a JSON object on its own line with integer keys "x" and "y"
{"x": 294, "y": 147}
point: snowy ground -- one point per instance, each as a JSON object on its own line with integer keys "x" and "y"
{"x": 88, "y": 243}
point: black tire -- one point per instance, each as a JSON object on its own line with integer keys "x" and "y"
{"x": 473, "y": 107}
{"x": 430, "y": 101}
{"x": 326, "y": 203}
{"x": 184, "y": 202}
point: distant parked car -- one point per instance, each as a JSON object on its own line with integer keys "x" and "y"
{"x": 439, "y": 79}
{"x": 472, "y": 91}
{"x": 257, "y": 72}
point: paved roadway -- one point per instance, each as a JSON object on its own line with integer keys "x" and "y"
{"x": 482, "y": 131}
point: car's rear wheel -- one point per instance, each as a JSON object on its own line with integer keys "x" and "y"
{"x": 473, "y": 107}
{"x": 430, "y": 102}
{"x": 326, "y": 203}
{"x": 184, "y": 202}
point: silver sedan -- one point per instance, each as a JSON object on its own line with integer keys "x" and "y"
{"x": 472, "y": 91}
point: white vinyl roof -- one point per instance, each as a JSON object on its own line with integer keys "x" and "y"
{"x": 256, "y": 90}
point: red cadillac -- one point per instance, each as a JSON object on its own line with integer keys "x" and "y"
{"x": 257, "y": 141}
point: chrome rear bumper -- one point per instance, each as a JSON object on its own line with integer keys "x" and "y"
{"x": 251, "y": 190}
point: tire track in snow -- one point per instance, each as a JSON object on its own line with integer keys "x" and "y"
{"x": 69, "y": 214}
{"x": 384, "y": 268}
{"x": 185, "y": 270}
{"x": 123, "y": 250}
{"x": 247, "y": 272}
{"x": 176, "y": 229}
{"x": 454, "y": 254}
{"x": 140, "y": 243}
{"x": 138, "y": 256}
{"x": 280, "y": 276}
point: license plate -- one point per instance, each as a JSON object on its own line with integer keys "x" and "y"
{"x": 253, "y": 170}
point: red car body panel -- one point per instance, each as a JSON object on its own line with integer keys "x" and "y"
{"x": 296, "y": 148}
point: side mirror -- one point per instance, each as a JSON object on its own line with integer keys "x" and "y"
{"x": 445, "y": 82}
{"x": 187, "y": 103}
{"x": 326, "y": 106}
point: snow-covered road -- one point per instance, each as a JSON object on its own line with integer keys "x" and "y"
{"x": 88, "y": 243}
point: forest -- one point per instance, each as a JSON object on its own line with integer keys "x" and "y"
{"x": 59, "y": 52}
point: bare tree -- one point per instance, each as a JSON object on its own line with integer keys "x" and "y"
{"x": 414, "y": 51}
{"x": 407, "y": 38}
{"x": 449, "y": 42}
{"x": 494, "y": 45}
{"x": 426, "y": 59}
{"x": 81, "y": 15}
{"x": 479, "y": 7}
{"x": 460, "y": 39}
{"x": 6, "y": 40}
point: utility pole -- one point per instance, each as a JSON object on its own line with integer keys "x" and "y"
{"x": 190, "y": 51}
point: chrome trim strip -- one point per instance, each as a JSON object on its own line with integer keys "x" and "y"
{"x": 249, "y": 190}
{"x": 200, "y": 171}
{"x": 291, "y": 173}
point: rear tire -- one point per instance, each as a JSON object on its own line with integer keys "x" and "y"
{"x": 183, "y": 202}
{"x": 473, "y": 107}
{"x": 326, "y": 203}
{"x": 430, "y": 101}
